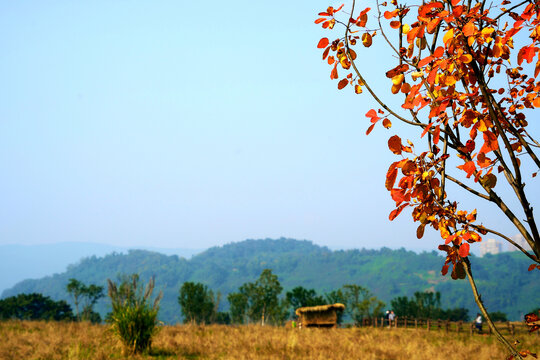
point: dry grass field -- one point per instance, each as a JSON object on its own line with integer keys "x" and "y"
{"x": 77, "y": 341}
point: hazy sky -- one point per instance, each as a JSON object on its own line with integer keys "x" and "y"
{"x": 188, "y": 124}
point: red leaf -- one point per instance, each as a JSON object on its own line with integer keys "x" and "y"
{"x": 373, "y": 115}
{"x": 370, "y": 129}
{"x": 436, "y": 134}
{"x": 342, "y": 83}
{"x": 426, "y": 129}
{"x": 394, "y": 144}
{"x": 425, "y": 9}
{"x": 464, "y": 250}
{"x": 396, "y": 212}
{"x": 444, "y": 269}
{"x": 527, "y": 53}
{"x": 391, "y": 176}
{"x": 531, "y": 267}
{"x": 323, "y": 43}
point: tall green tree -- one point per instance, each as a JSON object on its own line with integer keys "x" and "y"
{"x": 262, "y": 296}
{"x": 197, "y": 303}
{"x": 87, "y": 295}
{"x": 361, "y": 303}
{"x": 238, "y": 307}
{"x": 426, "y": 305}
{"x": 300, "y": 297}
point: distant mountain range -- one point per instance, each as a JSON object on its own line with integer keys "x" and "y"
{"x": 503, "y": 279}
{"x": 20, "y": 262}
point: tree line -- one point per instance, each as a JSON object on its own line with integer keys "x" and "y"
{"x": 261, "y": 301}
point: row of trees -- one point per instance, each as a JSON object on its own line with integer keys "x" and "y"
{"x": 260, "y": 301}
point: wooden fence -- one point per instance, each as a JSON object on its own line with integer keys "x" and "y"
{"x": 506, "y": 328}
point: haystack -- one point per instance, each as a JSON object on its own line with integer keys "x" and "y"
{"x": 319, "y": 316}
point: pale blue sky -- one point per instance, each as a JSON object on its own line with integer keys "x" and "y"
{"x": 186, "y": 124}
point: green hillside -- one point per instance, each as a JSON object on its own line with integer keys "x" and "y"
{"x": 387, "y": 273}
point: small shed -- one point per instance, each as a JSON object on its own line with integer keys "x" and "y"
{"x": 319, "y": 316}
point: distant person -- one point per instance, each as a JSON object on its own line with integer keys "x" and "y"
{"x": 478, "y": 323}
{"x": 386, "y": 317}
{"x": 391, "y": 318}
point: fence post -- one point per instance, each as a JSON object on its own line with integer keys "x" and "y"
{"x": 513, "y": 330}
{"x": 458, "y": 326}
{"x": 405, "y": 322}
{"x": 428, "y": 325}
{"x": 415, "y": 324}
{"x": 375, "y": 322}
{"x": 447, "y": 326}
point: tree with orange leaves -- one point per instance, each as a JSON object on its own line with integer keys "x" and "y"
{"x": 467, "y": 87}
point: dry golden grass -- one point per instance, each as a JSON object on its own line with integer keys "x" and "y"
{"x": 43, "y": 341}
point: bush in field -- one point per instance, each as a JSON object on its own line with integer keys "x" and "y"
{"x": 134, "y": 316}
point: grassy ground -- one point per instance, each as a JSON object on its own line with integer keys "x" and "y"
{"x": 42, "y": 340}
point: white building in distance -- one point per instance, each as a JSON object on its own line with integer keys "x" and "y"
{"x": 490, "y": 246}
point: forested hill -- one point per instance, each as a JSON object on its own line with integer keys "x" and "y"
{"x": 387, "y": 273}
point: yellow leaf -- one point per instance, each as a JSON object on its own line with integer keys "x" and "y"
{"x": 450, "y": 80}
{"x": 367, "y": 40}
{"x": 449, "y": 35}
{"x": 466, "y": 58}
{"x": 406, "y": 29}
{"x": 398, "y": 79}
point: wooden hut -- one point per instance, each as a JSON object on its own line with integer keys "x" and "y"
{"x": 319, "y": 316}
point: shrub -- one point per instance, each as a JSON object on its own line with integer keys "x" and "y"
{"x": 134, "y": 317}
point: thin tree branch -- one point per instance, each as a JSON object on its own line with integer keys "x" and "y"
{"x": 467, "y": 265}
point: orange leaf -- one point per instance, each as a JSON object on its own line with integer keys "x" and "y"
{"x": 490, "y": 142}
{"x": 527, "y": 53}
{"x": 464, "y": 250}
{"x": 373, "y": 115}
{"x": 395, "y": 24}
{"x": 390, "y": 14}
{"x": 323, "y": 43}
{"x": 469, "y": 28}
{"x": 387, "y": 123}
{"x": 334, "y": 73}
{"x": 342, "y": 83}
{"x": 394, "y": 144}
{"x": 438, "y": 52}
{"x": 426, "y": 129}
{"x": 370, "y": 129}
{"x": 425, "y": 61}
{"x": 468, "y": 167}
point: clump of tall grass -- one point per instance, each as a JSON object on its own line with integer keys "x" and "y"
{"x": 134, "y": 316}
